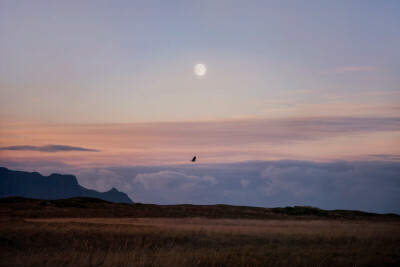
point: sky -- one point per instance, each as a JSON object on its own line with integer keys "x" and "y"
{"x": 107, "y": 88}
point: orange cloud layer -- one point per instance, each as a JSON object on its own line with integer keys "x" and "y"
{"x": 324, "y": 138}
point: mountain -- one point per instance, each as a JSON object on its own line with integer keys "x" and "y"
{"x": 55, "y": 186}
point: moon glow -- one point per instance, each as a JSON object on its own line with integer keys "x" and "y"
{"x": 200, "y": 69}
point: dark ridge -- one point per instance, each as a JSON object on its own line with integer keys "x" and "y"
{"x": 18, "y": 207}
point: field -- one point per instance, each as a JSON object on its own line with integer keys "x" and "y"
{"x": 60, "y": 239}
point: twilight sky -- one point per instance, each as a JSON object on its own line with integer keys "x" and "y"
{"x": 97, "y": 85}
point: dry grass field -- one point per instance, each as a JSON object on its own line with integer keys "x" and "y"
{"x": 197, "y": 242}
{"x": 90, "y": 232}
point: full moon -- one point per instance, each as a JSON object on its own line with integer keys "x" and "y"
{"x": 200, "y": 69}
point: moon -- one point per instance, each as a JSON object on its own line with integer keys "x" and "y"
{"x": 200, "y": 69}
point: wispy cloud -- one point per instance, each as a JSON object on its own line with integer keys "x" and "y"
{"x": 349, "y": 69}
{"x": 340, "y": 105}
{"x": 390, "y": 157}
{"x": 48, "y": 148}
{"x": 311, "y": 138}
{"x": 305, "y": 91}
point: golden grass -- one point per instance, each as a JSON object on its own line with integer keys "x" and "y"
{"x": 243, "y": 226}
{"x": 197, "y": 242}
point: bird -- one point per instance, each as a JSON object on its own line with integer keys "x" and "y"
{"x": 194, "y": 159}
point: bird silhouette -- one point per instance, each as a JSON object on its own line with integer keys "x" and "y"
{"x": 194, "y": 159}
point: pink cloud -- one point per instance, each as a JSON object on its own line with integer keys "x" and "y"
{"x": 212, "y": 141}
{"x": 349, "y": 69}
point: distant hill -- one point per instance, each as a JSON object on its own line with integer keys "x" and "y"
{"x": 18, "y": 207}
{"x": 55, "y": 186}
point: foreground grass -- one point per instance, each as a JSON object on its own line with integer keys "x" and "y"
{"x": 197, "y": 242}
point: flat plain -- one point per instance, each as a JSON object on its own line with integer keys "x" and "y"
{"x": 58, "y": 237}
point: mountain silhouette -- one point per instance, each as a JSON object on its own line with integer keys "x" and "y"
{"x": 55, "y": 186}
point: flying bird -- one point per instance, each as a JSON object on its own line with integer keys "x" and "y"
{"x": 194, "y": 159}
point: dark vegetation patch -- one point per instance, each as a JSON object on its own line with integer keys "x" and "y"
{"x": 18, "y": 207}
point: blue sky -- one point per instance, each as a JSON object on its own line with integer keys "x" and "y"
{"x": 127, "y": 61}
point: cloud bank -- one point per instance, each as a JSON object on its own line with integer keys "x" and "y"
{"x": 372, "y": 186}
{"x": 362, "y": 185}
{"x": 48, "y": 148}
